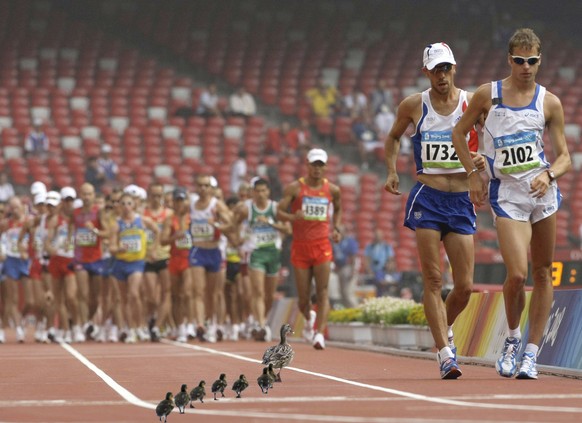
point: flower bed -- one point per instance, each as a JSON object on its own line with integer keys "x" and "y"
{"x": 386, "y": 321}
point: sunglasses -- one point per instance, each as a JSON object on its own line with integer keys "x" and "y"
{"x": 519, "y": 60}
{"x": 445, "y": 67}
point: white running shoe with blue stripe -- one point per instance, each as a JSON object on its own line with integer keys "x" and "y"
{"x": 506, "y": 365}
{"x": 527, "y": 368}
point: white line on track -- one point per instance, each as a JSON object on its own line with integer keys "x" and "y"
{"x": 132, "y": 399}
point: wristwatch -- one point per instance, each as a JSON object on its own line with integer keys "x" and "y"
{"x": 551, "y": 175}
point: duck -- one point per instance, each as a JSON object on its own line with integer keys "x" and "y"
{"x": 280, "y": 355}
{"x": 219, "y": 385}
{"x": 182, "y": 398}
{"x": 198, "y": 393}
{"x": 271, "y": 373}
{"x": 240, "y": 385}
{"x": 165, "y": 407}
{"x": 264, "y": 381}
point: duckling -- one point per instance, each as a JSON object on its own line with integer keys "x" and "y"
{"x": 271, "y": 373}
{"x": 240, "y": 385}
{"x": 280, "y": 355}
{"x": 264, "y": 381}
{"x": 165, "y": 407}
{"x": 182, "y": 398}
{"x": 198, "y": 393}
{"x": 219, "y": 385}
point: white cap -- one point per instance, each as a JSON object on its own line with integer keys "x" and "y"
{"x": 39, "y": 198}
{"x": 68, "y": 192}
{"x": 142, "y": 193}
{"x": 106, "y": 148}
{"x": 317, "y": 155}
{"x": 53, "y": 198}
{"x": 37, "y": 187}
{"x": 437, "y": 53}
{"x": 213, "y": 182}
{"x": 132, "y": 190}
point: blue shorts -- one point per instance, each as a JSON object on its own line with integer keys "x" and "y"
{"x": 108, "y": 264}
{"x": 428, "y": 208}
{"x": 94, "y": 269}
{"x": 16, "y": 268}
{"x": 209, "y": 258}
{"x": 122, "y": 269}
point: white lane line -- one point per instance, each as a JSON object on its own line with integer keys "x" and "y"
{"x": 132, "y": 399}
{"x": 405, "y": 394}
{"x": 123, "y": 393}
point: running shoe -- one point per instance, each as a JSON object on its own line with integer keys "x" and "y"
{"x": 113, "y": 334}
{"x": 308, "y": 330}
{"x": 20, "y": 334}
{"x": 319, "y": 341}
{"x": 506, "y": 365}
{"x": 268, "y": 334}
{"x": 2, "y": 336}
{"x": 450, "y": 369}
{"x": 527, "y": 368}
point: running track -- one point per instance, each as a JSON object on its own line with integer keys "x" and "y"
{"x": 123, "y": 383}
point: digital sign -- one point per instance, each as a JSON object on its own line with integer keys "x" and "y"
{"x": 565, "y": 274}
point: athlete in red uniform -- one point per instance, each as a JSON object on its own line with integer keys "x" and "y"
{"x": 310, "y": 204}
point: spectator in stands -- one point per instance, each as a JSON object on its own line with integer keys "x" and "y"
{"x": 242, "y": 103}
{"x": 366, "y": 137}
{"x": 345, "y": 256}
{"x": 323, "y": 99}
{"x": 354, "y": 103}
{"x": 94, "y": 174}
{"x": 381, "y": 96}
{"x": 208, "y": 103}
{"x": 300, "y": 139}
{"x": 383, "y": 122}
{"x": 238, "y": 172}
{"x": 37, "y": 142}
{"x": 379, "y": 260}
{"x": 108, "y": 165}
{"x": 524, "y": 194}
{"x": 6, "y": 188}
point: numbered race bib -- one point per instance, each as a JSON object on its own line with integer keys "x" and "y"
{"x": 184, "y": 243}
{"x": 201, "y": 230}
{"x": 131, "y": 242}
{"x": 516, "y": 153}
{"x": 85, "y": 238}
{"x": 438, "y": 151}
{"x": 315, "y": 208}
{"x": 62, "y": 240}
{"x": 13, "y": 242}
{"x": 265, "y": 236}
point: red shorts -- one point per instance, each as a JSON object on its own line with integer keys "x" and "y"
{"x": 59, "y": 267}
{"x": 35, "y": 269}
{"x": 308, "y": 254}
{"x": 177, "y": 265}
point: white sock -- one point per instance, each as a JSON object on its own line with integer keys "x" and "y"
{"x": 532, "y": 348}
{"x": 444, "y": 354}
{"x": 515, "y": 333}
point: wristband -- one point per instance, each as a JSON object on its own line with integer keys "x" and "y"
{"x": 472, "y": 171}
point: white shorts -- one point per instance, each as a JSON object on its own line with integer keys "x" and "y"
{"x": 512, "y": 199}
